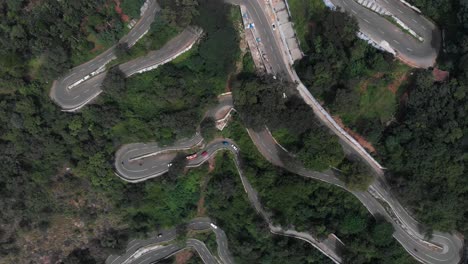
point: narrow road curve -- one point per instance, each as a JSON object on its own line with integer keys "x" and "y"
{"x": 162, "y": 245}
{"x": 82, "y": 83}
{"x": 328, "y": 247}
{"x": 221, "y": 238}
{"x": 141, "y": 161}
{"x": 416, "y": 53}
{"x": 408, "y": 231}
{"x": 378, "y": 201}
{"x": 171, "y": 50}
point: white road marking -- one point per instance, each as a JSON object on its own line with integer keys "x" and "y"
{"x": 69, "y": 76}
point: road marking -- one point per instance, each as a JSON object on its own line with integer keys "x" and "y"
{"x": 409, "y": 49}
{"x": 396, "y": 42}
{"x": 366, "y": 21}
{"x": 69, "y": 76}
{"x": 400, "y": 11}
{"x": 354, "y": 11}
{"x": 115, "y": 259}
{"x": 423, "y": 27}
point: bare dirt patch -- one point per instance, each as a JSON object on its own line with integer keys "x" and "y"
{"x": 393, "y": 87}
{"x": 362, "y": 141}
{"x": 125, "y": 18}
{"x": 183, "y": 257}
{"x": 365, "y": 83}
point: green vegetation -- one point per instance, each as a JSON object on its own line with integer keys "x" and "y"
{"x": 248, "y": 65}
{"x": 161, "y": 31}
{"x": 164, "y": 203}
{"x": 131, "y": 7}
{"x": 36, "y": 46}
{"x": 209, "y": 238}
{"x": 276, "y": 105}
{"x": 56, "y": 168}
{"x": 302, "y": 12}
{"x": 353, "y": 79}
{"x": 323, "y": 208}
{"x": 208, "y": 129}
{"x": 249, "y": 238}
{"x": 169, "y": 102}
{"x": 419, "y": 129}
{"x": 356, "y": 175}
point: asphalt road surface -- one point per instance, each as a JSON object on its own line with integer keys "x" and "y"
{"x": 409, "y": 49}
{"x": 81, "y": 84}
{"x": 141, "y": 161}
{"x": 411, "y": 236}
{"x": 221, "y": 238}
{"x": 70, "y": 96}
{"x": 160, "y": 246}
{"x": 133, "y": 247}
{"x": 263, "y": 28}
{"x": 168, "y": 52}
{"x": 407, "y": 234}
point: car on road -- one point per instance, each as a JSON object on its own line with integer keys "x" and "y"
{"x": 225, "y": 143}
{"x": 251, "y": 25}
{"x": 234, "y": 147}
{"x": 160, "y": 235}
{"x": 273, "y": 26}
{"x": 213, "y": 226}
{"x": 169, "y": 164}
{"x": 204, "y": 153}
{"x": 192, "y": 156}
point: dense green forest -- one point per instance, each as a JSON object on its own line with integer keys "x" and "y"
{"x": 56, "y": 178}
{"x": 265, "y": 102}
{"x": 349, "y": 76}
{"x": 420, "y": 130}
{"x": 315, "y": 207}
{"x": 426, "y": 149}
{"x": 250, "y": 241}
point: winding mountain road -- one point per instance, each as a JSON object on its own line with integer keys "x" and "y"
{"x": 138, "y": 162}
{"x": 441, "y": 248}
{"x": 161, "y": 246}
{"x": 420, "y": 54}
{"x": 83, "y": 83}
{"x": 172, "y": 49}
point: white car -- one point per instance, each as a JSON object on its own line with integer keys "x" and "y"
{"x": 213, "y": 226}
{"x": 273, "y": 26}
{"x": 169, "y": 164}
{"x": 234, "y": 147}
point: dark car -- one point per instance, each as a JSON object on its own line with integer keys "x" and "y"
{"x": 204, "y": 154}
{"x": 225, "y": 143}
